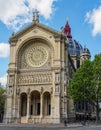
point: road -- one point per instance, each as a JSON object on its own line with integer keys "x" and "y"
{"x": 86, "y": 128}
{"x": 50, "y": 128}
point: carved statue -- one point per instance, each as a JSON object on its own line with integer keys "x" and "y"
{"x": 18, "y": 91}
{"x": 35, "y": 16}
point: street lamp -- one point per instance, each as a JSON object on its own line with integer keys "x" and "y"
{"x": 65, "y": 100}
{"x": 84, "y": 106}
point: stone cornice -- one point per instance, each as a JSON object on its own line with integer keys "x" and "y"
{"x": 57, "y": 38}
{"x": 13, "y": 41}
{"x": 12, "y": 71}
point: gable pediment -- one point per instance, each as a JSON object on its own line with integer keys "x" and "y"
{"x": 34, "y": 27}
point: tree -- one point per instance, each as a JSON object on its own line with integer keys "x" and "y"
{"x": 96, "y": 83}
{"x": 81, "y": 82}
{"x": 86, "y": 83}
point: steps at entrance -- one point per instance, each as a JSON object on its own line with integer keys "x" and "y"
{"x": 23, "y": 119}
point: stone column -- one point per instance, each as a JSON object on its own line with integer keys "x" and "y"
{"x": 18, "y": 113}
{"x": 19, "y": 110}
{"x": 14, "y": 86}
{"x": 8, "y": 109}
{"x": 28, "y": 106}
{"x": 41, "y": 103}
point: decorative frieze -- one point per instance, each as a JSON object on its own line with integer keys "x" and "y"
{"x": 35, "y": 78}
{"x": 30, "y": 88}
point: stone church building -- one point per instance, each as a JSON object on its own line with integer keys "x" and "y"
{"x": 42, "y": 61}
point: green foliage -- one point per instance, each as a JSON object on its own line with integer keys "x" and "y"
{"x": 86, "y": 83}
{"x": 97, "y": 75}
{"x": 2, "y": 100}
{"x": 81, "y": 82}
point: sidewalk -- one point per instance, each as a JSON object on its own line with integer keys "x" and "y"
{"x": 43, "y": 125}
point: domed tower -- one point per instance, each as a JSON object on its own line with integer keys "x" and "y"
{"x": 85, "y": 54}
{"x": 75, "y": 48}
{"x": 76, "y": 51}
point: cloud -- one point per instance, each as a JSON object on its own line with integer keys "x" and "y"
{"x": 3, "y": 80}
{"x": 94, "y": 18}
{"x": 14, "y": 14}
{"x": 4, "y": 50}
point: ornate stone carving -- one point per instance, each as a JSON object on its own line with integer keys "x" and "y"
{"x": 51, "y": 90}
{"x": 28, "y": 91}
{"x": 11, "y": 79}
{"x": 57, "y": 88}
{"x": 13, "y": 41}
{"x": 18, "y": 91}
{"x": 34, "y": 56}
{"x": 57, "y": 38}
{"x": 57, "y": 78}
{"x": 35, "y": 78}
{"x": 41, "y": 91}
{"x": 10, "y": 90}
{"x": 38, "y": 87}
{"x": 35, "y": 31}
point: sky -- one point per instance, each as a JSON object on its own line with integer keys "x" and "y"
{"x": 84, "y": 17}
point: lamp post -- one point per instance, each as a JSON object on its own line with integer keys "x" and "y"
{"x": 84, "y": 108}
{"x": 65, "y": 100}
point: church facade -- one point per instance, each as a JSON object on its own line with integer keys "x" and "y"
{"x": 38, "y": 75}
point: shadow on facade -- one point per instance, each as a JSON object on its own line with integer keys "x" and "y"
{"x": 1, "y": 116}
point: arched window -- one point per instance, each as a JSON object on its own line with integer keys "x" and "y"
{"x": 23, "y": 104}
{"x": 47, "y": 103}
{"x": 35, "y": 103}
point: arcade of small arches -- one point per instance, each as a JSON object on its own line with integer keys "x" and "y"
{"x": 31, "y": 105}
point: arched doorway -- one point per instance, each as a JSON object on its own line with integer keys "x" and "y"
{"x": 35, "y": 103}
{"x": 47, "y": 103}
{"x": 23, "y": 98}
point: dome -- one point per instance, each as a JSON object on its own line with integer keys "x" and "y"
{"x": 75, "y": 48}
{"x": 85, "y": 50}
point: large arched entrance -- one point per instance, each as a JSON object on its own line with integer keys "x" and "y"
{"x": 23, "y": 98}
{"x": 47, "y": 104}
{"x": 35, "y": 103}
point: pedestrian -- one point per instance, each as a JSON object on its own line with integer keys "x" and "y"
{"x": 65, "y": 123}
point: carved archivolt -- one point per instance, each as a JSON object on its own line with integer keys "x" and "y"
{"x": 36, "y": 87}
{"x": 34, "y": 53}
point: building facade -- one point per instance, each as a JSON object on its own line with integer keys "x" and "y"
{"x": 39, "y": 71}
